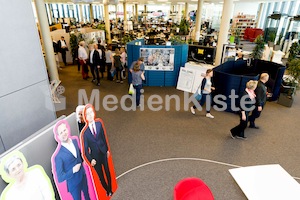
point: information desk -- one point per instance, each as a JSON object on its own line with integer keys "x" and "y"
{"x": 266, "y": 182}
{"x": 191, "y": 75}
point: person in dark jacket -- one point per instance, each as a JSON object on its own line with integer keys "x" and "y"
{"x": 247, "y": 101}
{"x": 261, "y": 98}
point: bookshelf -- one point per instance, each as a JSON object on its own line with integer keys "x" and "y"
{"x": 242, "y": 22}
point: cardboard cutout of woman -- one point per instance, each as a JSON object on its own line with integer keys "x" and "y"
{"x": 71, "y": 175}
{"x": 96, "y": 152}
{"x": 24, "y": 183}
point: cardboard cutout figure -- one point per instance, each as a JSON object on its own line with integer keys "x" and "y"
{"x": 70, "y": 173}
{"x": 96, "y": 152}
{"x": 24, "y": 183}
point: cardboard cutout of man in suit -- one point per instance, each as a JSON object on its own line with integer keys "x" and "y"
{"x": 67, "y": 163}
{"x": 95, "y": 150}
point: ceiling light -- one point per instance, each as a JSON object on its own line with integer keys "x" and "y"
{"x": 162, "y": 0}
{"x": 180, "y": 3}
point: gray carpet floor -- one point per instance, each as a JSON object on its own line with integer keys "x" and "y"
{"x": 153, "y": 150}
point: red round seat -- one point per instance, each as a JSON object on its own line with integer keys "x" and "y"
{"x": 192, "y": 189}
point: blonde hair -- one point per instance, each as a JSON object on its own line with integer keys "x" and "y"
{"x": 264, "y": 76}
{"x": 81, "y": 43}
{"x": 251, "y": 85}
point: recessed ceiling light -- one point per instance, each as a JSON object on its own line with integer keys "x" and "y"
{"x": 194, "y": 0}
{"x": 180, "y": 3}
{"x": 162, "y": 0}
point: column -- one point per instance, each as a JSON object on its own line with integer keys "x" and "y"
{"x": 91, "y": 13}
{"x": 186, "y": 10}
{"x": 116, "y": 8}
{"x": 145, "y": 11}
{"x": 46, "y": 37}
{"x": 198, "y": 20}
{"x": 107, "y": 24}
{"x": 224, "y": 28}
{"x": 125, "y": 11}
{"x": 136, "y": 13}
{"x": 81, "y": 13}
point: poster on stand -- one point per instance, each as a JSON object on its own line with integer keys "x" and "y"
{"x": 158, "y": 59}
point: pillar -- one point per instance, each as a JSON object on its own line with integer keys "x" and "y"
{"x": 107, "y": 24}
{"x": 145, "y": 11}
{"x": 81, "y": 13}
{"x": 224, "y": 28}
{"x": 186, "y": 11}
{"x": 47, "y": 41}
{"x": 125, "y": 11}
{"x": 136, "y": 13}
{"x": 91, "y": 13}
{"x": 198, "y": 20}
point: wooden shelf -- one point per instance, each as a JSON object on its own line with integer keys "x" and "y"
{"x": 242, "y": 22}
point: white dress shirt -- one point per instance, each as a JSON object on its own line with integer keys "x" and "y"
{"x": 82, "y": 54}
{"x": 70, "y": 146}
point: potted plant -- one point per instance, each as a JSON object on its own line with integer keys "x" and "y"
{"x": 272, "y": 36}
{"x": 293, "y": 51}
{"x": 290, "y": 83}
{"x": 184, "y": 27}
{"x": 259, "y": 47}
{"x": 277, "y": 46}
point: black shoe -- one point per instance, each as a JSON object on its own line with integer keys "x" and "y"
{"x": 253, "y": 126}
{"x": 242, "y": 138}
{"x": 94, "y": 80}
{"x": 98, "y": 84}
{"x": 231, "y": 135}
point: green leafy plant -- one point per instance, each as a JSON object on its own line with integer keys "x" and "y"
{"x": 272, "y": 36}
{"x": 184, "y": 27}
{"x": 259, "y": 47}
{"x": 293, "y": 51}
{"x": 176, "y": 39}
{"x": 293, "y": 68}
{"x": 127, "y": 38}
{"x": 74, "y": 40}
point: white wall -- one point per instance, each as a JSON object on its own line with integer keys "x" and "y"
{"x": 245, "y": 8}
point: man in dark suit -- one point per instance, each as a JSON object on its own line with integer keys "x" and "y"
{"x": 96, "y": 148}
{"x": 68, "y": 162}
{"x": 63, "y": 48}
{"x": 261, "y": 98}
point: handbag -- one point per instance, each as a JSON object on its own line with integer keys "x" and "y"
{"x": 198, "y": 94}
{"x": 131, "y": 89}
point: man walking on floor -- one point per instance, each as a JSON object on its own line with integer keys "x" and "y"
{"x": 261, "y": 98}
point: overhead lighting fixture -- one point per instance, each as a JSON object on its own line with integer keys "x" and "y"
{"x": 150, "y": 2}
{"x": 180, "y": 3}
{"x": 162, "y": 0}
{"x": 194, "y": 0}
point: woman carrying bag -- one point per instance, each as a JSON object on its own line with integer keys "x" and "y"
{"x": 205, "y": 92}
{"x": 137, "y": 82}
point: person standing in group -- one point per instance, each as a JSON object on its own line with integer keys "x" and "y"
{"x": 79, "y": 117}
{"x": 63, "y": 48}
{"x": 67, "y": 163}
{"x": 123, "y": 61}
{"x": 140, "y": 62}
{"x": 261, "y": 98}
{"x": 93, "y": 62}
{"x": 101, "y": 50}
{"x": 137, "y": 82}
{"x": 206, "y": 89}
{"x": 118, "y": 65}
{"x": 83, "y": 57}
{"x": 109, "y": 59}
{"x": 247, "y": 103}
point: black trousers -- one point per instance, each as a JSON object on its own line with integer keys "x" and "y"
{"x": 92, "y": 67}
{"x": 239, "y": 129}
{"x": 96, "y": 69}
{"x": 102, "y": 161}
{"x": 63, "y": 56}
{"x": 255, "y": 114}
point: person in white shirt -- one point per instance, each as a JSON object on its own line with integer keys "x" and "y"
{"x": 205, "y": 89}
{"x": 83, "y": 58}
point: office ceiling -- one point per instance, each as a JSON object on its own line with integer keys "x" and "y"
{"x": 141, "y": 2}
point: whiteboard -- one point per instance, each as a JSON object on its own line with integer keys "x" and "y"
{"x": 198, "y": 71}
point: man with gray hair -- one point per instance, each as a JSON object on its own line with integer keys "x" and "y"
{"x": 83, "y": 58}
{"x": 261, "y": 98}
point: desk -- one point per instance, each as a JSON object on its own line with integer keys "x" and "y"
{"x": 266, "y": 182}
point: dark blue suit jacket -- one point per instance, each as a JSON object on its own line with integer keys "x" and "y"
{"x": 64, "y": 163}
{"x": 94, "y": 146}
